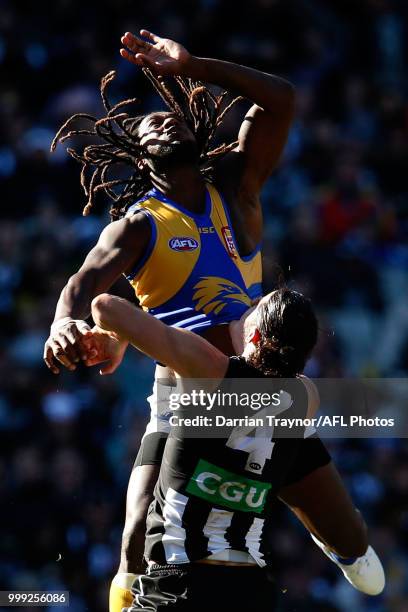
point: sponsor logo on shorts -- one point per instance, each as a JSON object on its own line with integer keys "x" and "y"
{"x": 224, "y": 488}
{"x": 183, "y": 243}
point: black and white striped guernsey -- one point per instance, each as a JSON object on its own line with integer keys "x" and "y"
{"x": 209, "y": 497}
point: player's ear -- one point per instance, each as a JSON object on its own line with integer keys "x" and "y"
{"x": 256, "y": 336}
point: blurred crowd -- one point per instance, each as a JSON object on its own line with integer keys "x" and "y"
{"x": 336, "y": 226}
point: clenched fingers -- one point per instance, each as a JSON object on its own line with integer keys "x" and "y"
{"x": 53, "y": 350}
{"x": 49, "y": 359}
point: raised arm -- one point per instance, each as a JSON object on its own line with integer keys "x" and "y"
{"x": 264, "y": 131}
{"x": 186, "y": 353}
{"x": 120, "y": 246}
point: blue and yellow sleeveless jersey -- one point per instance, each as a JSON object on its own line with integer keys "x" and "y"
{"x": 191, "y": 275}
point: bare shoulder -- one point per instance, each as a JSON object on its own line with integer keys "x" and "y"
{"x": 134, "y": 227}
{"x": 121, "y": 244}
{"x": 230, "y": 179}
{"x": 244, "y": 204}
{"x": 312, "y": 393}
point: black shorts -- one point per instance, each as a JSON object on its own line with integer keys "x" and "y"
{"x": 198, "y": 587}
{"x": 151, "y": 449}
{"x": 312, "y": 455}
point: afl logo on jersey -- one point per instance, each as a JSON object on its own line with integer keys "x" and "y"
{"x": 255, "y": 466}
{"x": 183, "y": 243}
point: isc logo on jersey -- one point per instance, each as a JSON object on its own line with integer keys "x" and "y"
{"x": 224, "y": 488}
{"x": 183, "y": 243}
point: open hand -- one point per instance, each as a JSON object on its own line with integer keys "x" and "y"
{"x": 105, "y": 346}
{"x": 162, "y": 55}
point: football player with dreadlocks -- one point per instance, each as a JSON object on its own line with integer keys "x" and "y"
{"x": 186, "y": 230}
{"x": 192, "y": 256}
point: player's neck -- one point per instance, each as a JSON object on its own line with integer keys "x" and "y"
{"x": 239, "y": 331}
{"x": 182, "y": 184}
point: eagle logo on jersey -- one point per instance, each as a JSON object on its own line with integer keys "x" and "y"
{"x": 213, "y": 293}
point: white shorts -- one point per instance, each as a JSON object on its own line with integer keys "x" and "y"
{"x": 164, "y": 384}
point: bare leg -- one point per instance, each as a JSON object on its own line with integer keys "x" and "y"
{"x": 323, "y": 505}
{"x": 139, "y": 496}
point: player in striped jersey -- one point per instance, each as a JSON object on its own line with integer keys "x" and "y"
{"x": 207, "y": 524}
{"x": 187, "y": 223}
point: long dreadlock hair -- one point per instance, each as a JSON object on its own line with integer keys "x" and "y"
{"x": 190, "y": 100}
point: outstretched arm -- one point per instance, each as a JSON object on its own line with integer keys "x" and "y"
{"x": 264, "y": 131}
{"x": 186, "y": 353}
